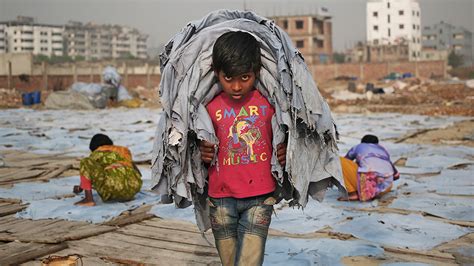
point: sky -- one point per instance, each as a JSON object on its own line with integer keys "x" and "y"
{"x": 161, "y": 19}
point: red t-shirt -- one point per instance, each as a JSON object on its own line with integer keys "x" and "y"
{"x": 244, "y": 131}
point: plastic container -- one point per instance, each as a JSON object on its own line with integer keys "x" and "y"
{"x": 36, "y": 96}
{"x": 27, "y": 99}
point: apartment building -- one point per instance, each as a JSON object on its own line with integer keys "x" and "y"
{"x": 74, "y": 39}
{"x": 93, "y": 41}
{"x": 444, "y": 36}
{"x": 3, "y": 46}
{"x": 392, "y": 22}
{"x": 311, "y": 34}
{"x": 24, "y": 35}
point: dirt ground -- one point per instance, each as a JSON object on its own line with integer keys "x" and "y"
{"x": 461, "y": 133}
{"x": 409, "y": 96}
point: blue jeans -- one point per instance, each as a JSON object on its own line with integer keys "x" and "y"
{"x": 240, "y": 228}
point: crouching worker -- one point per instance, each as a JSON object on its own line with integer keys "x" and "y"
{"x": 372, "y": 174}
{"x": 109, "y": 169}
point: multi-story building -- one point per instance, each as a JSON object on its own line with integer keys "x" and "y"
{"x": 3, "y": 46}
{"x": 311, "y": 34}
{"x": 444, "y": 36}
{"x": 104, "y": 41}
{"x": 75, "y": 39}
{"x": 395, "y": 21}
{"x": 24, "y": 35}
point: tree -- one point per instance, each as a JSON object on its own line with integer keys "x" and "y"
{"x": 455, "y": 60}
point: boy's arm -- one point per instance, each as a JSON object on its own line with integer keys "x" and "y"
{"x": 281, "y": 153}
{"x": 207, "y": 151}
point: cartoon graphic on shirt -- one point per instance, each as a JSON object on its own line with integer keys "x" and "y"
{"x": 243, "y": 134}
{"x": 244, "y": 141}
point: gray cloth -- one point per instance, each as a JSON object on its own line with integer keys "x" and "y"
{"x": 188, "y": 84}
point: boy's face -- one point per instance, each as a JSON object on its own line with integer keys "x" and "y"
{"x": 238, "y": 86}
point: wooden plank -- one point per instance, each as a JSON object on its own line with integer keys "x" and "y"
{"x": 55, "y": 172}
{"x": 172, "y": 235}
{"x": 38, "y": 226}
{"x": 6, "y": 220}
{"x": 128, "y": 217}
{"x": 7, "y": 171}
{"x": 9, "y": 227}
{"x": 137, "y": 253}
{"x": 432, "y": 254}
{"x": 24, "y": 174}
{"x": 15, "y": 253}
{"x": 172, "y": 224}
{"x": 11, "y": 208}
{"x": 4, "y": 203}
{"x": 156, "y": 242}
{"x": 54, "y": 232}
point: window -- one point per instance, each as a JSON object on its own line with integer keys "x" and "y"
{"x": 300, "y": 44}
{"x": 376, "y": 28}
{"x": 413, "y": 12}
{"x": 388, "y": 18}
{"x": 299, "y": 24}
{"x": 375, "y": 14}
{"x": 388, "y": 32}
{"x": 414, "y": 26}
{"x": 417, "y": 13}
{"x": 388, "y": 4}
{"x": 401, "y": 12}
{"x": 401, "y": 26}
{"x": 285, "y": 24}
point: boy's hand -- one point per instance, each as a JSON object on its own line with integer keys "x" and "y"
{"x": 207, "y": 151}
{"x": 281, "y": 153}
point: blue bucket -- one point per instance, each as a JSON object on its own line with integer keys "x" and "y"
{"x": 36, "y": 95}
{"x": 27, "y": 99}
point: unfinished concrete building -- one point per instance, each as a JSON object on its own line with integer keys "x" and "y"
{"x": 311, "y": 34}
{"x": 366, "y": 53}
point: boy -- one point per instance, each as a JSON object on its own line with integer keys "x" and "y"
{"x": 240, "y": 182}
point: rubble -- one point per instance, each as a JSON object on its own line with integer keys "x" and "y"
{"x": 411, "y": 95}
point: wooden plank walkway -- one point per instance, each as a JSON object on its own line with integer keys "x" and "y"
{"x": 22, "y": 166}
{"x": 156, "y": 241}
{"x": 50, "y": 231}
{"x": 14, "y": 253}
{"x": 10, "y": 206}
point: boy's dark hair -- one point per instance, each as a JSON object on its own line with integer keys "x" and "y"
{"x": 370, "y": 139}
{"x": 99, "y": 140}
{"x": 235, "y": 53}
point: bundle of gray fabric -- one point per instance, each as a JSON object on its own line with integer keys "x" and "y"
{"x": 188, "y": 84}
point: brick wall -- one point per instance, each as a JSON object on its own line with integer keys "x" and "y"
{"x": 374, "y": 71}
{"x": 62, "y": 82}
{"x": 364, "y": 72}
